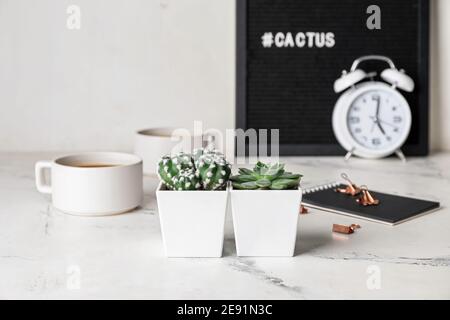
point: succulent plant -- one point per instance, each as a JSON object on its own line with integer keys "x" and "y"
{"x": 205, "y": 169}
{"x": 265, "y": 176}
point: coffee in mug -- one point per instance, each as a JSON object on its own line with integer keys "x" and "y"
{"x": 95, "y": 165}
{"x": 93, "y": 184}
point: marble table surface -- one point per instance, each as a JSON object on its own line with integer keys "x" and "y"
{"x": 47, "y": 254}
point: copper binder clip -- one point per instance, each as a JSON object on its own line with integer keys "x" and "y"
{"x": 366, "y": 199}
{"x": 351, "y": 188}
{"x": 339, "y": 228}
{"x": 303, "y": 209}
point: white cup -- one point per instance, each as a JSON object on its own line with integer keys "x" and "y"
{"x": 93, "y": 184}
{"x": 151, "y": 144}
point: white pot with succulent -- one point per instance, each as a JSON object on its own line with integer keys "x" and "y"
{"x": 192, "y": 203}
{"x": 265, "y": 204}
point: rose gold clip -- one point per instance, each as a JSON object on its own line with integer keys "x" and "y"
{"x": 366, "y": 199}
{"x": 339, "y": 228}
{"x": 303, "y": 209}
{"x": 351, "y": 188}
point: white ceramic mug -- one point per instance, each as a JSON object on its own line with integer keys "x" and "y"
{"x": 152, "y": 144}
{"x": 93, "y": 184}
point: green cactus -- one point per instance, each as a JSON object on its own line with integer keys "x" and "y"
{"x": 265, "y": 176}
{"x": 212, "y": 168}
{"x": 186, "y": 180}
{"x": 178, "y": 172}
{"x": 204, "y": 170}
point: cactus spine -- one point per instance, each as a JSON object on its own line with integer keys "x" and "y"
{"x": 205, "y": 169}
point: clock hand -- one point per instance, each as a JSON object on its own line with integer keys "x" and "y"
{"x": 389, "y": 124}
{"x": 377, "y": 122}
{"x": 381, "y": 128}
{"x": 377, "y": 115}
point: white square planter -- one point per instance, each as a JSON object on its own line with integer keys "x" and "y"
{"x": 192, "y": 222}
{"x": 265, "y": 221}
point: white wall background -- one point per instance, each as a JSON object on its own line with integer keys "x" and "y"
{"x": 136, "y": 64}
{"x": 440, "y": 75}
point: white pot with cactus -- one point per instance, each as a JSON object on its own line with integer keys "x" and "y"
{"x": 192, "y": 203}
{"x": 265, "y": 204}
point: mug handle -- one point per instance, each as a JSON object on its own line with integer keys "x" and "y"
{"x": 40, "y": 167}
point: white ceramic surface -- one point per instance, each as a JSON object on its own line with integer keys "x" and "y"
{"x": 265, "y": 221}
{"x": 45, "y": 254}
{"x": 151, "y": 144}
{"x": 192, "y": 222}
{"x": 92, "y": 191}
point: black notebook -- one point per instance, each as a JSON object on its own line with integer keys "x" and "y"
{"x": 392, "y": 209}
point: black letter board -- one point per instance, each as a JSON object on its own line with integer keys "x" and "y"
{"x": 291, "y": 88}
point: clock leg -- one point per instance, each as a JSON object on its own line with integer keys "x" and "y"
{"x": 400, "y": 154}
{"x": 349, "y": 155}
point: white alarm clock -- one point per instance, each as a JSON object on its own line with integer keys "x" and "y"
{"x": 371, "y": 119}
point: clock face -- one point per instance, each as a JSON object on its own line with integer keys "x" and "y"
{"x": 376, "y": 119}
